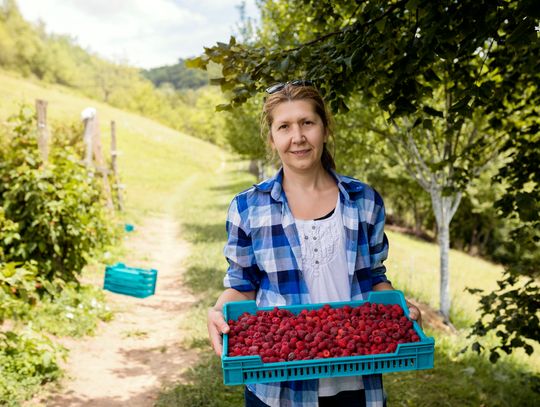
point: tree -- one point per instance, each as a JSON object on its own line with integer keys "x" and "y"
{"x": 512, "y": 311}
{"x": 242, "y": 133}
{"x": 177, "y": 75}
{"x": 441, "y": 72}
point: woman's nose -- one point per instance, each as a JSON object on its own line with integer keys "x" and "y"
{"x": 298, "y": 136}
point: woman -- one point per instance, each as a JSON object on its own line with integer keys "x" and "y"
{"x": 306, "y": 235}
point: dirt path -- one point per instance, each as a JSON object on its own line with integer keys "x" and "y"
{"x": 133, "y": 356}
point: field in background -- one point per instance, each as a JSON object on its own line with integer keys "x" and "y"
{"x": 153, "y": 159}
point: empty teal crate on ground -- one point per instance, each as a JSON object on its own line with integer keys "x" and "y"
{"x": 251, "y": 369}
{"x": 136, "y": 282}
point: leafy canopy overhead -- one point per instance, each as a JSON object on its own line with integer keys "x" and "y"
{"x": 394, "y": 51}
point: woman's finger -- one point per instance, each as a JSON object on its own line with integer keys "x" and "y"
{"x": 415, "y": 313}
{"x": 216, "y": 328}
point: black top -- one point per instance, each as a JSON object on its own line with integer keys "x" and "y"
{"x": 327, "y": 215}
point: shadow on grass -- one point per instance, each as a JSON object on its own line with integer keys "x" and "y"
{"x": 205, "y": 233}
{"x": 205, "y": 388}
{"x": 204, "y": 280}
{"x": 233, "y": 188}
{"x": 469, "y": 381}
{"x": 222, "y": 208}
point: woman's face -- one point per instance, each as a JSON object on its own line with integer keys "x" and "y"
{"x": 298, "y": 135}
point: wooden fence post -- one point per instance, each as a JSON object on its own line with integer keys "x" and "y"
{"x": 114, "y": 165}
{"x": 92, "y": 140}
{"x": 43, "y": 131}
{"x": 88, "y": 117}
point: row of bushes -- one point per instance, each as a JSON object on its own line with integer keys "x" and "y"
{"x": 53, "y": 221}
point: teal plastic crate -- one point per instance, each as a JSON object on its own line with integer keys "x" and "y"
{"x": 136, "y": 282}
{"x": 128, "y": 227}
{"x": 251, "y": 369}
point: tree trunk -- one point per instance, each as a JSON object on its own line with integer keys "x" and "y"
{"x": 262, "y": 173}
{"x": 444, "y": 207}
{"x": 444, "y": 289}
{"x": 254, "y": 168}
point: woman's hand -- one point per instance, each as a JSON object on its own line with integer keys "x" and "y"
{"x": 216, "y": 328}
{"x": 414, "y": 313}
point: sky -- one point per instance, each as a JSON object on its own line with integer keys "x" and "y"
{"x": 142, "y": 33}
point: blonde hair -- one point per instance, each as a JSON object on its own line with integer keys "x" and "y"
{"x": 291, "y": 93}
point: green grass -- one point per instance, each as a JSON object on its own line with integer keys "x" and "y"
{"x": 413, "y": 266}
{"x": 167, "y": 172}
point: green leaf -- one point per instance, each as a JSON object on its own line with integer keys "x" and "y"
{"x": 224, "y": 107}
{"x": 460, "y": 104}
{"x": 494, "y": 356}
{"x": 432, "y": 112}
{"x": 474, "y": 290}
{"x": 380, "y": 25}
{"x": 431, "y": 76}
{"x": 495, "y": 123}
{"x": 527, "y": 206}
{"x": 199, "y": 62}
{"x": 403, "y": 106}
{"x": 427, "y": 124}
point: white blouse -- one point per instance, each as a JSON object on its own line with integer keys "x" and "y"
{"x": 325, "y": 270}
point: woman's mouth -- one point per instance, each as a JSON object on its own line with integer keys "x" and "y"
{"x": 301, "y": 153}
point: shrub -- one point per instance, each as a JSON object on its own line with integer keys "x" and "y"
{"x": 57, "y": 208}
{"x": 75, "y": 311}
{"x": 27, "y": 360}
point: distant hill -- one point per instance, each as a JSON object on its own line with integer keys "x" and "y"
{"x": 178, "y": 75}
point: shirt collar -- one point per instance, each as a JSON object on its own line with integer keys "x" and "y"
{"x": 274, "y": 185}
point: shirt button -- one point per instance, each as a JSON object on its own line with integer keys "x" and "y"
{"x": 314, "y": 237}
{"x": 313, "y": 227}
{"x": 316, "y": 261}
{"x": 305, "y": 237}
{"x": 316, "y": 250}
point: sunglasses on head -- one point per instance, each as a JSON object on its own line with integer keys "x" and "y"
{"x": 279, "y": 86}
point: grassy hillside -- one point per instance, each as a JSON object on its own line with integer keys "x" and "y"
{"x": 154, "y": 158}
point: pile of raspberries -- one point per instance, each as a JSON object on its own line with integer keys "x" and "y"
{"x": 280, "y": 336}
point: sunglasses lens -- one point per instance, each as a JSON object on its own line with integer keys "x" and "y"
{"x": 301, "y": 82}
{"x": 279, "y": 86}
{"x": 275, "y": 88}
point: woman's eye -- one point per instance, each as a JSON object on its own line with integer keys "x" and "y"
{"x": 282, "y": 127}
{"x": 308, "y": 122}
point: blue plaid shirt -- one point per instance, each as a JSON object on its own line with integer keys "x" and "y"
{"x": 264, "y": 254}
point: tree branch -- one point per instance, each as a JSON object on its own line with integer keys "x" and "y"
{"x": 455, "y": 204}
{"x": 337, "y": 32}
